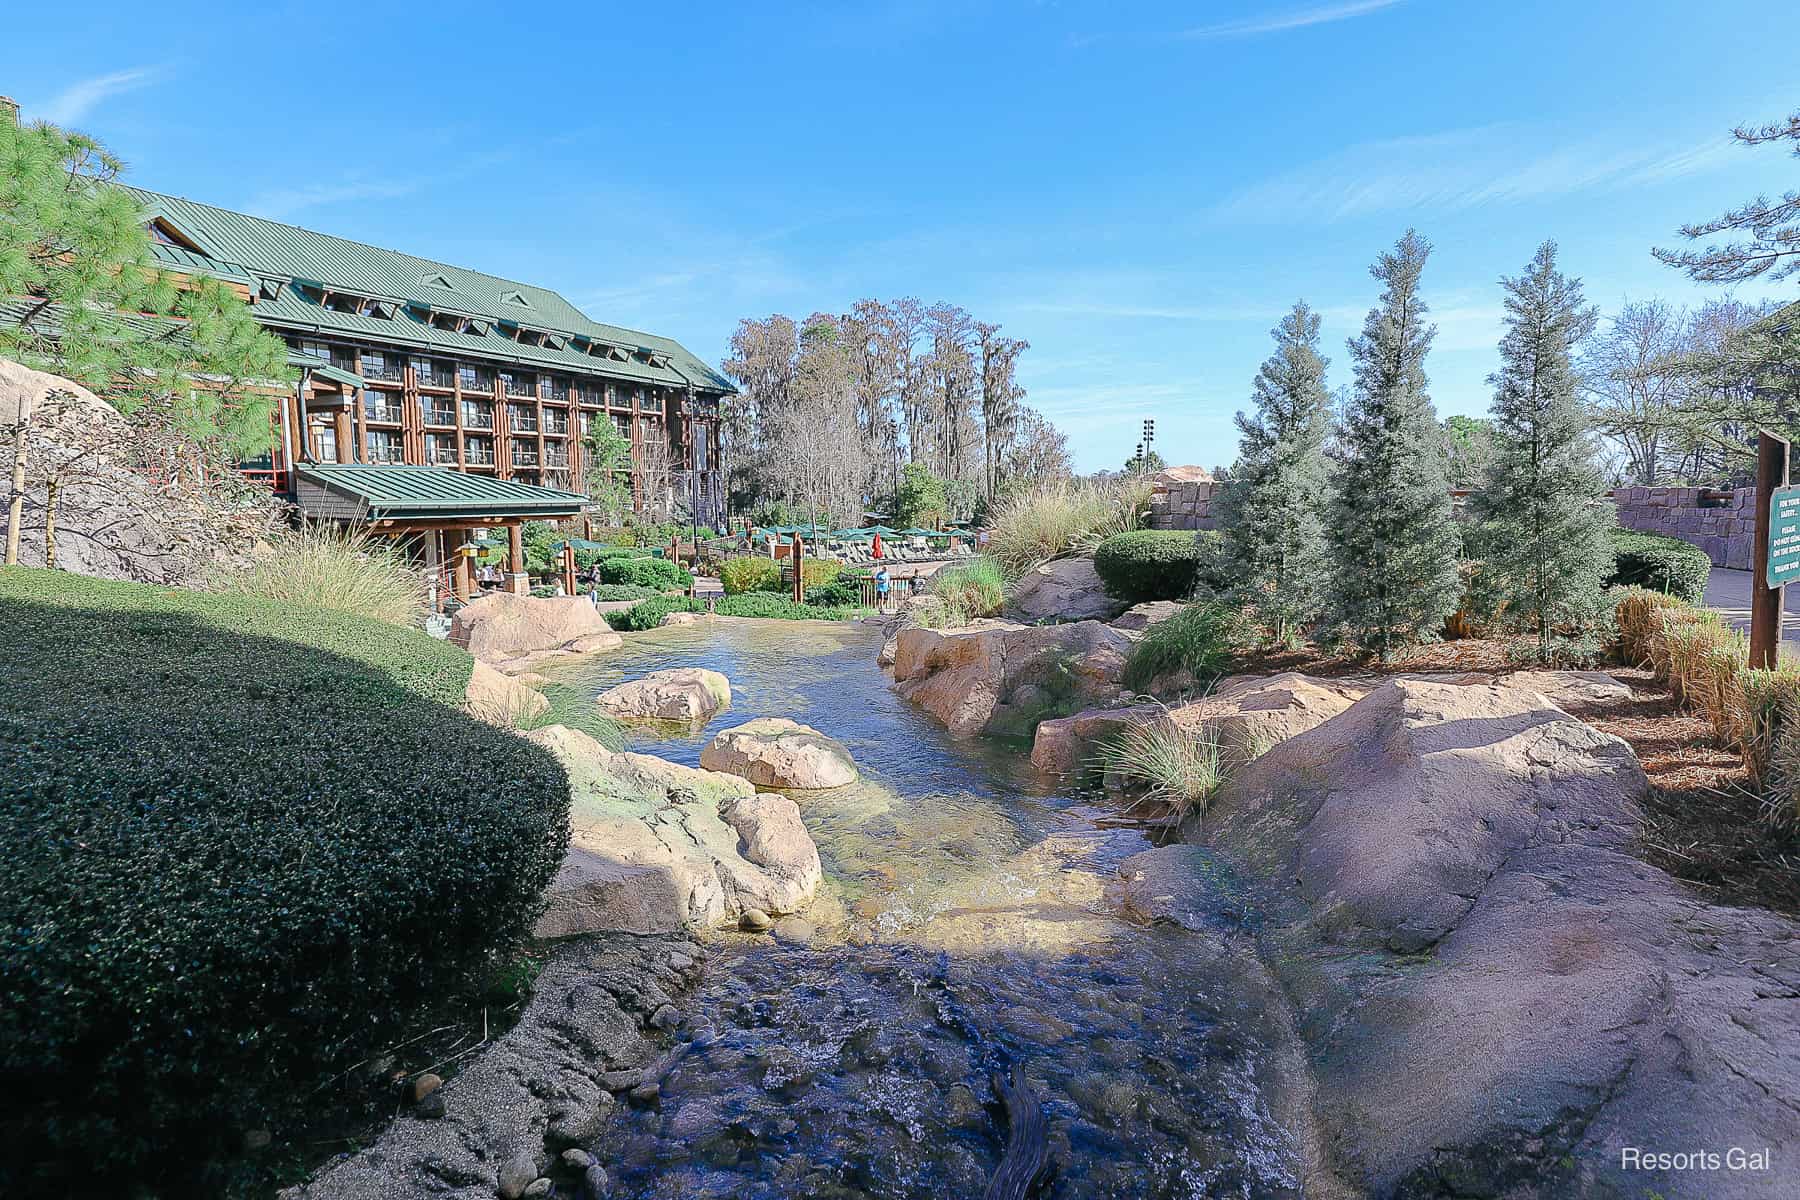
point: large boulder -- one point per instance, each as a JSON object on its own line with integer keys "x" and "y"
{"x": 1140, "y": 617}
{"x": 515, "y": 632}
{"x": 1067, "y": 589}
{"x": 1003, "y": 677}
{"x": 501, "y": 699}
{"x": 778, "y": 753}
{"x": 1500, "y": 997}
{"x": 682, "y": 694}
{"x": 1249, "y": 712}
{"x": 655, "y": 846}
{"x": 111, "y": 521}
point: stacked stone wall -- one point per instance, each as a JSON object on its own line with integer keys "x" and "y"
{"x": 1185, "y": 506}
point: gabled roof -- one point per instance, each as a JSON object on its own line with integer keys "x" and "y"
{"x": 253, "y": 246}
{"x": 386, "y": 492}
{"x": 325, "y": 370}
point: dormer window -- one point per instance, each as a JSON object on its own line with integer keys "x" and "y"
{"x": 343, "y": 303}
{"x": 515, "y": 298}
{"x": 438, "y": 280}
{"x": 270, "y": 289}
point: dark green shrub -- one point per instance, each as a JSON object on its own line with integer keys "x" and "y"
{"x": 658, "y": 573}
{"x": 844, "y": 593}
{"x": 245, "y": 842}
{"x": 650, "y": 613}
{"x": 1661, "y": 564}
{"x": 623, "y": 591}
{"x": 1154, "y": 564}
{"x": 1202, "y": 639}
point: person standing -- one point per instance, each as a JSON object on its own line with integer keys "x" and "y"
{"x": 881, "y": 589}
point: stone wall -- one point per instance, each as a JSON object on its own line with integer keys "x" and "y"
{"x": 1184, "y": 505}
{"x": 1723, "y": 524}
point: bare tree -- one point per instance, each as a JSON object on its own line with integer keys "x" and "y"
{"x": 1633, "y": 390}
{"x": 1001, "y": 396}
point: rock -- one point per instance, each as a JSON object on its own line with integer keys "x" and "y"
{"x": 795, "y": 931}
{"x": 431, "y": 1107}
{"x": 775, "y": 752}
{"x": 1566, "y": 688}
{"x": 1140, "y": 617}
{"x": 680, "y": 618}
{"x": 537, "y": 1188}
{"x": 1249, "y": 712}
{"x": 499, "y": 700}
{"x": 113, "y": 522}
{"x": 655, "y": 846}
{"x": 257, "y": 1139}
{"x": 582, "y": 1119}
{"x": 532, "y": 679}
{"x": 510, "y": 631}
{"x": 665, "y": 1018}
{"x": 1494, "y": 986}
{"x": 967, "y": 678}
{"x": 754, "y": 920}
{"x": 576, "y": 1159}
{"x": 682, "y": 694}
{"x": 1185, "y": 885}
{"x": 889, "y": 650}
{"x": 516, "y": 1174}
{"x": 596, "y": 1184}
{"x": 1065, "y": 590}
{"x": 423, "y": 1086}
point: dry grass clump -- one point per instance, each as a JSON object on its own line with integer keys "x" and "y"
{"x": 324, "y": 565}
{"x": 1179, "y": 765}
{"x": 1054, "y": 520}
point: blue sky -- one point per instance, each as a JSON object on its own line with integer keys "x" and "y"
{"x": 1138, "y": 190}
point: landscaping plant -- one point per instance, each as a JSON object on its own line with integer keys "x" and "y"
{"x": 1202, "y": 640}
{"x": 973, "y": 589}
{"x": 749, "y": 573}
{"x": 1178, "y": 765}
{"x": 1272, "y": 510}
{"x": 1661, "y": 564}
{"x": 1390, "y": 528}
{"x": 658, "y": 573}
{"x": 1156, "y": 564}
{"x": 1543, "y": 498}
{"x": 325, "y": 565}
{"x": 1054, "y": 519}
{"x": 247, "y": 843}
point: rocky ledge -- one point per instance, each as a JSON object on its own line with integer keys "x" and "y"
{"x": 1000, "y": 677}
{"x": 655, "y": 846}
{"x": 775, "y": 752}
{"x": 514, "y": 633}
{"x": 681, "y": 694}
{"x": 1499, "y": 998}
{"x": 603, "y": 1019}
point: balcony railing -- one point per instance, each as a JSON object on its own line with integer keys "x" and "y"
{"x": 439, "y": 414}
{"x": 556, "y": 389}
{"x": 481, "y": 383}
{"x": 522, "y": 422}
{"x": 556, "y": 457}
{"x": 524, "y": 456}
{"x": 477, "y": 454}
{"x": 440, "y": 453}
{"x": 386, "y": 413}
{"x": 521, "y": 385}
{"x": 477, "y": 416}
{"x": 389, "y": 371}
{"x": 385, "y": 454}
{"x": 435, "y": 378}
{"x": 556, "y": 423}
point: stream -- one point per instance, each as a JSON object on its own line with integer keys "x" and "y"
{"x": 962, "y": 929}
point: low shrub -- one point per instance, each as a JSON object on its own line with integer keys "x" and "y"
{"x": 749, "y": 573}
{"x": 246, "y": 842}
{"x": 609, "y": 592}
{"x": 844, "y": 593}
{"x": 973, "y": 589}
{"x": 658, "y": 573}
{"x": 1052, "y": 520}
{"x": 650, "y": 613}
{"x": 1660, "y": 564}
{"x": 1155, "y": 564}
{"x": 1203, "y": 640}
{"x": 332, "y": 566}
{"x": 1178, "y": 765}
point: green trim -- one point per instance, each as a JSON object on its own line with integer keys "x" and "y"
{"x": 390, "y": 491}
{"x": 325, "y": 370}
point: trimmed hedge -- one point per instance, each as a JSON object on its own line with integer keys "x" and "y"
{"x": 1154, "y": 564}
{"x": 622, "y": 591}
{"x": 658, "y": 573}
{"x": 650, "y": 613}
{"x": 245, "y": 843}
{"x": 843, "y": 593}
{"x": 1661, "y": 564}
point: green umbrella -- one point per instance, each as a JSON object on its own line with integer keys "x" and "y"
{"x": 917, "y": 532}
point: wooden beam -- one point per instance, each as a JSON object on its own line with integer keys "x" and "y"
{"x": 1766, "y": 601}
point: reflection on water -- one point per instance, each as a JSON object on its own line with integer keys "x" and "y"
{"x": 962, "y": 926}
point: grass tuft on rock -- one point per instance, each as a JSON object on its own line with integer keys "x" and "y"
{"x": 1054, "y": 520}
{"x": 324, "y": 565}
{"x": 1202, "y": 640}
{"x": 1179, "y": 766}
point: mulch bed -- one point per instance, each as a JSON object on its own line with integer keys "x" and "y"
{"x": 1704, "y": 822}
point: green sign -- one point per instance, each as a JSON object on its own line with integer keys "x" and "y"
{"x": 1784, "y": 536}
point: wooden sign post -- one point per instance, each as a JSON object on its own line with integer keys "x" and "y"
{"x": 799, "y": 575}
{"x": 1777, "y": 547}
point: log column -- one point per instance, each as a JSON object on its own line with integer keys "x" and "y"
{"x": 518, "y": 581}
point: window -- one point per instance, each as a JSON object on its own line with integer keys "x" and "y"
{"x": 440, "y": 449}
{"x": 478, "y": 414}
{"x": 519, "y": 383}
{"x": 382, "y": 406}
{"x": 437, "y": 410}
{"x": 340, "y": 302}
{"x": 324, "y": 440}
{"x": 379, "y": 365}
{"x": 384, "y": 446}
{"x": 159, "y": 234}
{"x": 475, "y": 379}
{"x": 521, "y": 418}
{"x": 478, "y": 452}
{"x": 315, "y": 350}
{"x": 431, "y": 372}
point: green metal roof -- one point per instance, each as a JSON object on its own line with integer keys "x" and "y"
{"x": 244, "y": 243}
{"x": 402, "y": 491}
{"x": 325, "y": 370}
{"x": 180, "y": 258}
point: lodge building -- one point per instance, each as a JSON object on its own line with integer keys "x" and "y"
{"x": 406, "y": 361}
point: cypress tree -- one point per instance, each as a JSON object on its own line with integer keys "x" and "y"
{"x": 1391, "y": 527}
{"x": 1543, "y": 493}
{"x": 1273, "y": 506}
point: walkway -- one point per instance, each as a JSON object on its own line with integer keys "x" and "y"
{"x": 1729, "y": 592}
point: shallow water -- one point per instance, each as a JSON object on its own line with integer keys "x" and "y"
{"x": 963, "y": 927}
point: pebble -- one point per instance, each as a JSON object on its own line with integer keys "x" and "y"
{"x": 424, "y": 1085}
{"x": 516, "y": 1174}
{"x": 596, "y": 1184}
{"x": 680, "y": 961}
{"x": 577, "y": 1159}
{"x": 646, "y": 1093}
{"x": 754, "y": 920}
{"x": 536, "y": 1188}
{"x": 622, "y": 1081}
{"x": 794, "y": 931}
{"x": 431, "y": 1107}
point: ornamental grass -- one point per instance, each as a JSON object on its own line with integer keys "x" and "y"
{"x": 324, "y": 565}
{"x": 1054, "y": 520}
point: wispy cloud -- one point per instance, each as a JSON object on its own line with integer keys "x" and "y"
{"x": 1324, "y": 14}
{"x": 279, "y": 204}
{"x": 1459, "y": 169}
{"x": 76, "y": 101}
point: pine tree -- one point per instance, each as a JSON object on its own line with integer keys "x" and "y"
{"x": 1273, "y": 507}
{"x": 1391, "y": 528}
{"x": 1543, "y": 493}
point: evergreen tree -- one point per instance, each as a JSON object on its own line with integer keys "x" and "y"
{"x": 1274, "y": 503}
{"x": 1391, "y": 528}
{"x": 1543, "y": 494}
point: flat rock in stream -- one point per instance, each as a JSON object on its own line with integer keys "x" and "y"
{"x": 1499, "y": 994}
